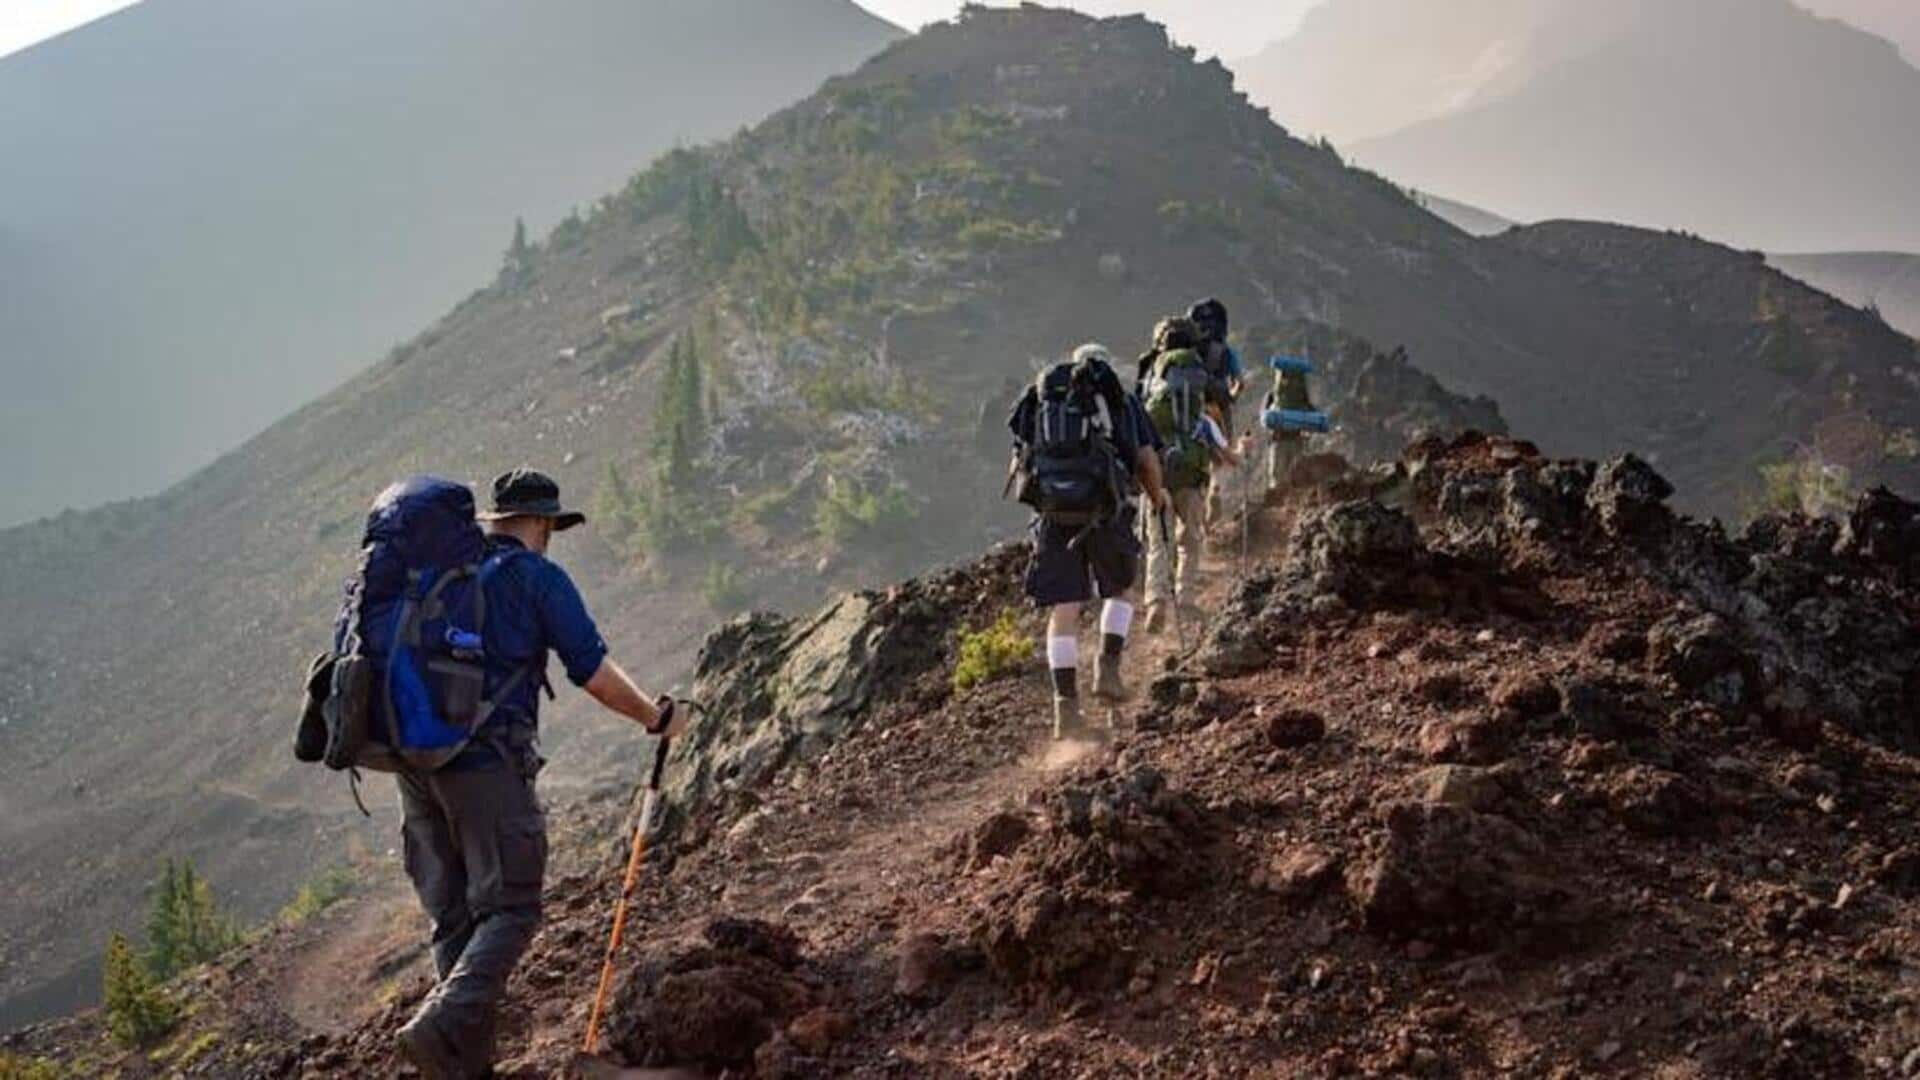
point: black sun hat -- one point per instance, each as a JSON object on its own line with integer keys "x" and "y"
{"x": 526, "y": 492}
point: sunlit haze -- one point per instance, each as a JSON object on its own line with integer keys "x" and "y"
{"x": 1225, "y": 28}
{"x": 23, "y": 22}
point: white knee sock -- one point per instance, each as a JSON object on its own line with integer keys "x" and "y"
{"x": 1063, "y": 658}
{"x": 1063, "y": 652}
{"x": 1116, "y": 618}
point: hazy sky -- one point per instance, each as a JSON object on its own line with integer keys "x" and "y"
{"x": 1226, "y": 28}
{"x": 23, "y": 22}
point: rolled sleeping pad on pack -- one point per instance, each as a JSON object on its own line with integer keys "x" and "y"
{"x": 1294, "y": 364}
{"x": 1296, "y": 420}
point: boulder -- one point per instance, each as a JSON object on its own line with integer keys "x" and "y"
{"x": 1699, "y": 651}
{"x": 1628, "y": 498}
{"x": 1441, "y": 872}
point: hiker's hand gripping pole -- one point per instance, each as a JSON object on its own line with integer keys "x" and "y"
{"x": 649, "y": 804}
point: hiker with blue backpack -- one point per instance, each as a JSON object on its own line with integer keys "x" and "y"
{"x": 439, "y": 659}
{"x": 1289, "y": 416}
{"x": 1083, "y": 450}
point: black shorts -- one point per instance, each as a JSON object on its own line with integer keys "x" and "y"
{"x": 1104, "y": 565}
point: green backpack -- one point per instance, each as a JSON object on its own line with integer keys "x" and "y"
{"x": 1176, "y": 399}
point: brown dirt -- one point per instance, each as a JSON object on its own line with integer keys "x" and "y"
{"x": 1509, "y": 845}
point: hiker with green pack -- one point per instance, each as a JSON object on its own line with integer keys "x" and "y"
{"x": 1179, "y": 393}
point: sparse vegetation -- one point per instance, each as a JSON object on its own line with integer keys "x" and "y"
{"x": 993, "y": 652}
{"x": 15, "y": 1067}
{"x": 138, "y": 1011}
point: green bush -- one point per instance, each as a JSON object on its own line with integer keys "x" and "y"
{"x": 994, "y": 652}
{"x": 1804, "y": 486}
{"x": 848, "y": 513}
{"x": 326, "y": 889}
{"x": 138, "y": 1011}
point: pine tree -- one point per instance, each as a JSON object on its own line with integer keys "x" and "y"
{"x": 516, "y": 266}
{"x": 138, "y": 1012}
{"x": 163, "y": 924}
{"x": 185, "y": 925}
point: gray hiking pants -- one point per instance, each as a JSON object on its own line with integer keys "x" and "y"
{"x": 476, "y": 850}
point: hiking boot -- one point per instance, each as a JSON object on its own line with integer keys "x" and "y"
{"x": 422, "y": 1046}
{"x": 1066, "y": 718}
{"x": 1156, "y": 619}
{"x": 1106, "y": 680}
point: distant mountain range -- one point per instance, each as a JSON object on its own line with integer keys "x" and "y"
{"x": 1887, "y": 282}
{"x": 220, "y": 208}
{"x": 1752, "y": 122}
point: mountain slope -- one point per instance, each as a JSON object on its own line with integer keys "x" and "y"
{"x": 243, "y": 202}
{"x": 868, "y": 275}
{"x": 1683, "y": 120}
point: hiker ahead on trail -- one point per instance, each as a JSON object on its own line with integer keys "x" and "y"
{"x": 1189, "y": 422}
{"x": 1227, "y": 377}
{"x": 1083, "y": 448}
{"x": 439, "y": 659}
{"x": 1289, "y": 397}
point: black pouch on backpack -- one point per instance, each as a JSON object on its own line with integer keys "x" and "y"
{"x": 348, "y": 711}
{"x": 458, "y": 685}
{"x": 310, "y": 738}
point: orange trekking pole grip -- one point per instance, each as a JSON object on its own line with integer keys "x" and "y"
{"x": 649, "y": 804}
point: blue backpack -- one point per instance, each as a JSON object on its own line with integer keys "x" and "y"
{"x": 404, "y": 688}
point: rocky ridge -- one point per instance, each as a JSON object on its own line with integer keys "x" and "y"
{"x": 1495, "y": 764}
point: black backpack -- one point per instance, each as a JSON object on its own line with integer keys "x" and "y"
{"x": 1070, "y": 467}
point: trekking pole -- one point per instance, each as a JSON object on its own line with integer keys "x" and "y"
{"x": 636, "y": 855}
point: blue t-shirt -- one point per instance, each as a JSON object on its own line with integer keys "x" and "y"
{"x": 533, "y": 609}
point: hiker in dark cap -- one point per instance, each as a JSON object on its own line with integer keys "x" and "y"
{"x": 474, "y": 832}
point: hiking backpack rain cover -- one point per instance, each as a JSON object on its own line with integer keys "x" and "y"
{"x": 407, "y": 687}
{"x": 1071, "y": 471}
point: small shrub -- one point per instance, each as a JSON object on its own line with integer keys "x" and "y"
{"x": 848, "y": 513}
{"x": 138, "y": 1011}
{"x": 326, "y": 889}
{"x": 1804, "y": 486}
{"x": 722, "y": 589}
{"x": 994, "y": 652}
